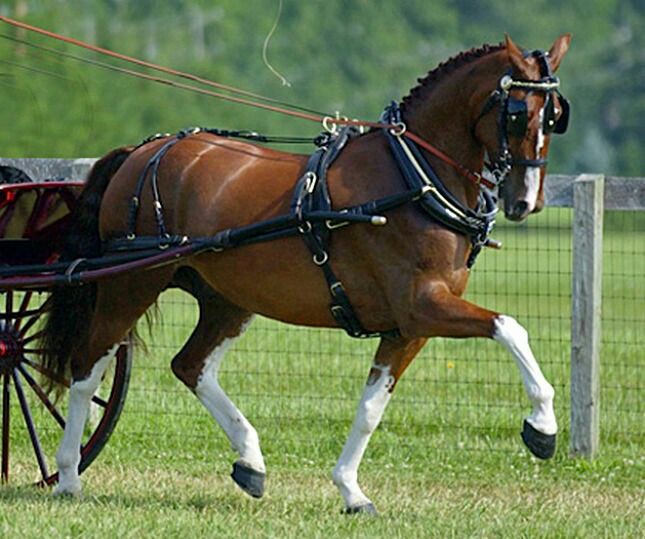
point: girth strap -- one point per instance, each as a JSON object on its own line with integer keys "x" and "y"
{"x": 312, "y": 195}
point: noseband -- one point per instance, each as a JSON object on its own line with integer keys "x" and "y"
{"x": 512, "y": 117}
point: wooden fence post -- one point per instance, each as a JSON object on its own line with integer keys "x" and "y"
{"x": 588, "y": 194}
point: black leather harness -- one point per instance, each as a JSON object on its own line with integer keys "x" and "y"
{"x": 437, "y": 201}
{"x": 312, "y": 216}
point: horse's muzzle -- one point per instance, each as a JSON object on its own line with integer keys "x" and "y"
{"x": 518, "y": 211}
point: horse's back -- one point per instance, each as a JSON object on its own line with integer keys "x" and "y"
{"x": 206, "y": 184}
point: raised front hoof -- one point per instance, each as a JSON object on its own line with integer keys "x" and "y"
{"x": 541, "y": 445}
{"x": 249, "y": 480}
{"x": 363, "y": 509}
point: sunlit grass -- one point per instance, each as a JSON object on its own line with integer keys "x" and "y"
{"x": 446, "y": 461}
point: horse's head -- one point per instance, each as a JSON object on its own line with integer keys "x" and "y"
{"x": 529, "y": 109}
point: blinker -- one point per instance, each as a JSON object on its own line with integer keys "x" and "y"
{"x": 516, "y": 117}
{"x": 563, "y": 121}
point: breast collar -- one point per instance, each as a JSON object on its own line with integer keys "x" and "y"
{"x": 438, "y": 202}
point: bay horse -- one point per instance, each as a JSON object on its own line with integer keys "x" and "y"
{"x": 497, "y": 102}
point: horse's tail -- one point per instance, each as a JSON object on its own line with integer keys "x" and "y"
{"x": 67, "y": 322}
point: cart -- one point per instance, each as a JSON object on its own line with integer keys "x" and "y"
{"x": 33, "y": 215}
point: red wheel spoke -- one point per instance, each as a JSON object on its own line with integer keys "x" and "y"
{"x": 29, "y": 324}
{"x": 29, "y": 422}
{"x": 33, "y": 350}
{"x": 4, "y": 469}
{"x": 35, "y": 317}
{"x": 42, "y": 396}
{"x": 99, "y": 401}
{"x": 26, "y": 298}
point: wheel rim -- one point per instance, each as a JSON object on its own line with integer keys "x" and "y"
{"x": 33, "y": 422}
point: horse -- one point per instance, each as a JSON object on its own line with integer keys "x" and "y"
{"x": 404, "y": 281}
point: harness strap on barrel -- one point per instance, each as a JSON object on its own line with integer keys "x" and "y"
{"x": 312, "y": 195}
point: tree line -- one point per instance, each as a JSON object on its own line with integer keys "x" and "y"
{"x": 347, "y": 55}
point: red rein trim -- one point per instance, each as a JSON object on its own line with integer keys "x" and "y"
{"x": 473, "y": 177}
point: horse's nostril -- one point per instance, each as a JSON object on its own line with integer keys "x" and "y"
{"x": 520, "y": 208}
{"x": 518, "y": 211}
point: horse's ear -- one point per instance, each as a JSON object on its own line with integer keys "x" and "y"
{"x": 558, "y": 50}
{"x": 515, "y": 54}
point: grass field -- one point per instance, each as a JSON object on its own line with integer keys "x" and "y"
{"x": 447, "y": 460}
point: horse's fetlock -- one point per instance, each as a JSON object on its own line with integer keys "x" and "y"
{"x": 66, "y": 460}
{"x": 341, "y": 476}
{"x": 541, "y": 394}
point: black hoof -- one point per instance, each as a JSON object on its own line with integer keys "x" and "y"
{"x": 541, "y": 445}
{"x": 249, "y": 480}
{"x": 365, "y": 509}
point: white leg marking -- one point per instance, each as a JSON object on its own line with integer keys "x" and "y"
{"x": 533, "y": 174}
{"x": 368, "y": 416}
{"x": 515, "y": 338}
{"x": 240, "y": 432}
{"x": 68, "y": 455}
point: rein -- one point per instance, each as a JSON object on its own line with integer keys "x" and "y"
{"x": 329, "y": 123}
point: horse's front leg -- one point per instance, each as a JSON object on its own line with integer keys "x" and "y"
{"x": 392, "y": 358}
{"x": 439, "y": 313}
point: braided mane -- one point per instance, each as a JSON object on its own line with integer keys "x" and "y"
{"x": 445, "y": 68}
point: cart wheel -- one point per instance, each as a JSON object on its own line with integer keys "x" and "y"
{"x": 33, "y": 422}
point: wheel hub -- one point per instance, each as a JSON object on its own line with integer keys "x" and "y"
{"x": 10, "y": 348}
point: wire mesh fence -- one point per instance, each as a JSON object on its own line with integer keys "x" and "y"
{"x": 623, "y": 330}
{"x": 300, "y": 386}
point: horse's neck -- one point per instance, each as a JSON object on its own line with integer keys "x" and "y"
{"x": 443, "y": 114}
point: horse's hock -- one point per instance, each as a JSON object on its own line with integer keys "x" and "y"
{"x": 574, "y": 277}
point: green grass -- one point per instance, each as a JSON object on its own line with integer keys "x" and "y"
{"x": 458, "y": 496}
{"x": 447, "y": 460}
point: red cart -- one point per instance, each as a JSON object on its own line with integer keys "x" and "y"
{"x": 33, "y": 215}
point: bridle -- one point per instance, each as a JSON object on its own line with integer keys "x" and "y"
{"x": 512, "y": 116}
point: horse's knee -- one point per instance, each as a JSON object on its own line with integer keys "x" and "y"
{"x": 509, "y": 331}
{"x": 369, "y": 416}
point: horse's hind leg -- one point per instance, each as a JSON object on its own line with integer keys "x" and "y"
{"x": 197, "y": 365}
{"x": 119, "y": 303}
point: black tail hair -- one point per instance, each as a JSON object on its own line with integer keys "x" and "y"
{"x": 67, "y": 322}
